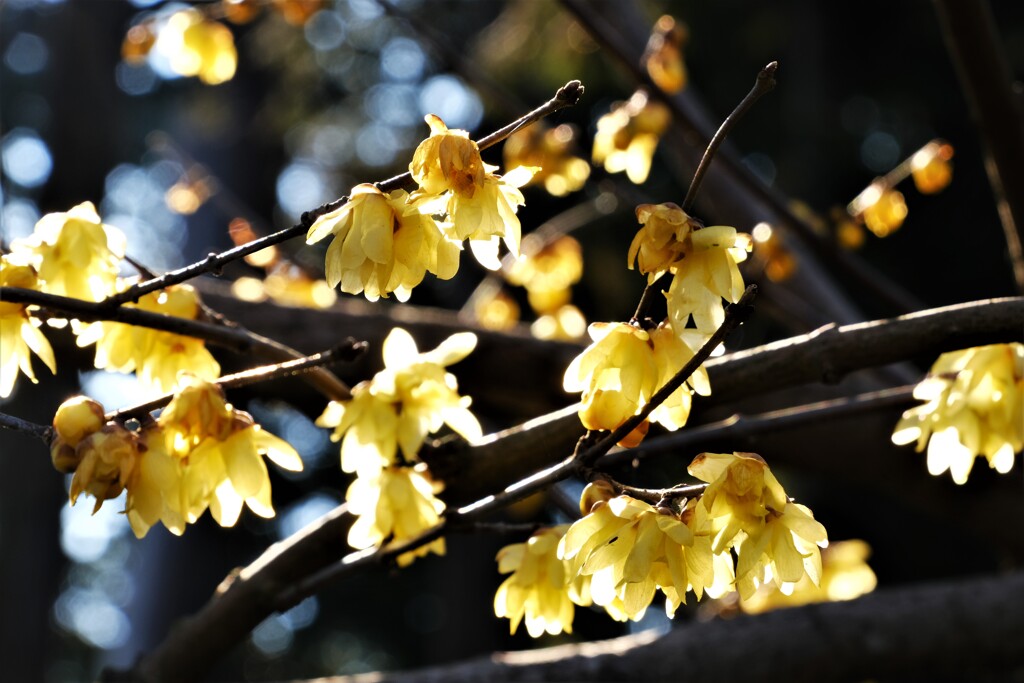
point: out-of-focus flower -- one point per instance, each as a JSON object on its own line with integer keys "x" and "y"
{"x": 286, "y": 285}
{"x": 197, "y": 46}
{"x": 661, "y": 242}
{"x": 664, "y": 55}
{"x": 496, "y": 311}
{"x": 550, "y": 150}
{"x": 884, "y": 210}
{"x": 157, "y": 357}
{"x": 538, "y": 585}
{"x": 411, "y": 397}
{"x": 930, "y": 167}
{"x": 975, "y": 408}
{"x": 74, "y": 253}
{"x": 298, "y": 12}
{"x": 845, "y": 575}
{"x": 547, "y": 271}
{"x": 240, "y": 11}
{"x": 708, "y": 274}
{"x": 138, "y": 42}
{"x": 628, "y": 135}
{"x": 187, "y": 195}
{"x": 565, "y": 324}
{"x": 749, "y": 511}
{"x": 778, "y": 262}
{"x": 18, "y": 336}
{"x": 397, "y": 504}
{"x": 382, "y": 244}
{"x": 218, "y": 450}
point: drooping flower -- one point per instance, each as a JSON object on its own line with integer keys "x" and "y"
{"x": 707, "y": 274}
{"x": 74, "y": 253}
{"x": 396, "y": 504}
{"x": 538, "y": 585}
{"x": 550, "y": 150}
{"x": 157, "y": 357}
{"x": 974, "y": 408}
{"x": 194, "y": 45}
{"x": 628, "y": 135}
{"x": 481, "y": 205}
{"x": 547, "y": 271}
{"x": 18, "y": 336}
{"x": 661, "y": 242}
{"x": 382, "y": 244}
{"x": 784, "y": 551}
{"x": 663, "y": 56}
{"x": 219, "y": 449}
{"x": 884, "y": 210}
{"x": 410, "y": 398}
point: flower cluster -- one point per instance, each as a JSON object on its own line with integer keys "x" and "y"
{"x": 19, "y": 337}
{"x": 157, "y": 357}
{"x": 383, "y": 426}
{"x": 625, "y": 550}
{"x": 628, "y": 135}
{"x": 547, "y": 270}
{"x": 386, "y": 243}
{"x": 201, "y": 453}
{"x": 974, "y": 408}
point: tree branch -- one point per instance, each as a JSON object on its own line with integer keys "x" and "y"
{"x": 41, "y": 432}
{"x": 964, "y": 630}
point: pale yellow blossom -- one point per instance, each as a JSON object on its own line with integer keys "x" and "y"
{"x": 19, "y": 337}
{"x": 628, "y": 135}
{"x": 538, "y": 585}
{"x": 707, "y": 274}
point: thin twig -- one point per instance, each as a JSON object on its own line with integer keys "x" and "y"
{"x": 345, "y": 352}
{"x": 41, "y": 432}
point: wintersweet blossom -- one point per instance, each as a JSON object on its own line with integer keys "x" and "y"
{"x": 75, "y": 254}
{"x": 382, "y": 244}
{"x": 628, "y": 135}
{"x": 157, "y": 357}
{"x": 18, "y": 336}
{"x": 413, "y": 396}
{"x": 549, "y": 149}
{"x": 547, "y": 271}
{"x": 974, "y": 408}
{"x": 707, "y": 274}
{"x": 538, "y": 585}
{"x": 396, "y": 504}
{"x": 661, "y": 242}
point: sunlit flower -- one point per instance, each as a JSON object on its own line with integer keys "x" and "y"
{"x": 617, "y": 374}
{"x": 628, "y": 135}
{"x": 707, "y": 274}
{"x": 411, "y": 397}
{"x": 565, "y": 324}
{"x": 18, "y": 336}
{"x": 538, "y": 585}
{"x": 547, "y": 271}
{"x": 382, "y": 244}
{"x": 845, "y": 575}
{"x": 664, "y": 55}
{"x": 930, "y": 167}
{"x": 672, "y": 350}
{"x": 784, "y": 551}
{"x": 197, "y": 46}
{"x": 495, "y": 310}
{"x": 661, "y": 241}
{"x": 778, "y": 261}
{"x": 975, "y": 408}
{"x": 396, "y": 504}
{"x": 481, "y": 205}
{"x": 157, "y": 357}
{"x": 550, "y": 150}
{"x": 219, "y": 449}
{"x": 75, "y": 254}
{"x": 884, "y": 210}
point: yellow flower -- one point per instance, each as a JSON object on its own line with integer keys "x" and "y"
{"x": 628, "y": 135}
{"x": 493, "y": 309}
{"x": 664, "y": 55}
{"x": 661, "y": 241}
{"x": 617, "y": 374}
{"x": 75, "y": 254}
{"x": 155, "y": 488}
{"x": 565, "y": 324}
{"x": 411, "y": 397}
{"x": 884, "y": 210}
{"x": 845, "y": 575}
{"x": 549, "y": 149}
{"x": 197, "y": 46}
{"x": 975, "y": 407}
{"x": 481, "y": 206}
{"x": 538, "y": 585}
{"x": 156, "y": 357}
{"x": 547, "y": 271}
{"x": 18, "y": 336}
{"x": 219, "y": 450}
{"x": 707, "y": 274}
{"x": 740, "y": 491}
{"x": 784, "y": 551}
{"x": 931, "y": 169}
{"x": 672, "y": 351}
{"x": 396, "y": 504}
{"x": 382, "y": 244}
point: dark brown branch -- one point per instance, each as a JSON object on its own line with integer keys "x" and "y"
{"x": 963, "y": 630}
{"x": 975, "y": 48}
{"x": 345, "y": 352}
{"x": 41, "y": 432}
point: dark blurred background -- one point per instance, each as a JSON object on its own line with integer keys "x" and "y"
{"x": 318, "y": 106}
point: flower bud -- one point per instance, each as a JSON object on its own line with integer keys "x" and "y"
{"x": 77, "y": 418}
{"x": 597, "y": 491}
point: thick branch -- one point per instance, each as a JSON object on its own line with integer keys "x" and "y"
{"x": 974, "y": 45}
{"x": 967, "y": 630}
